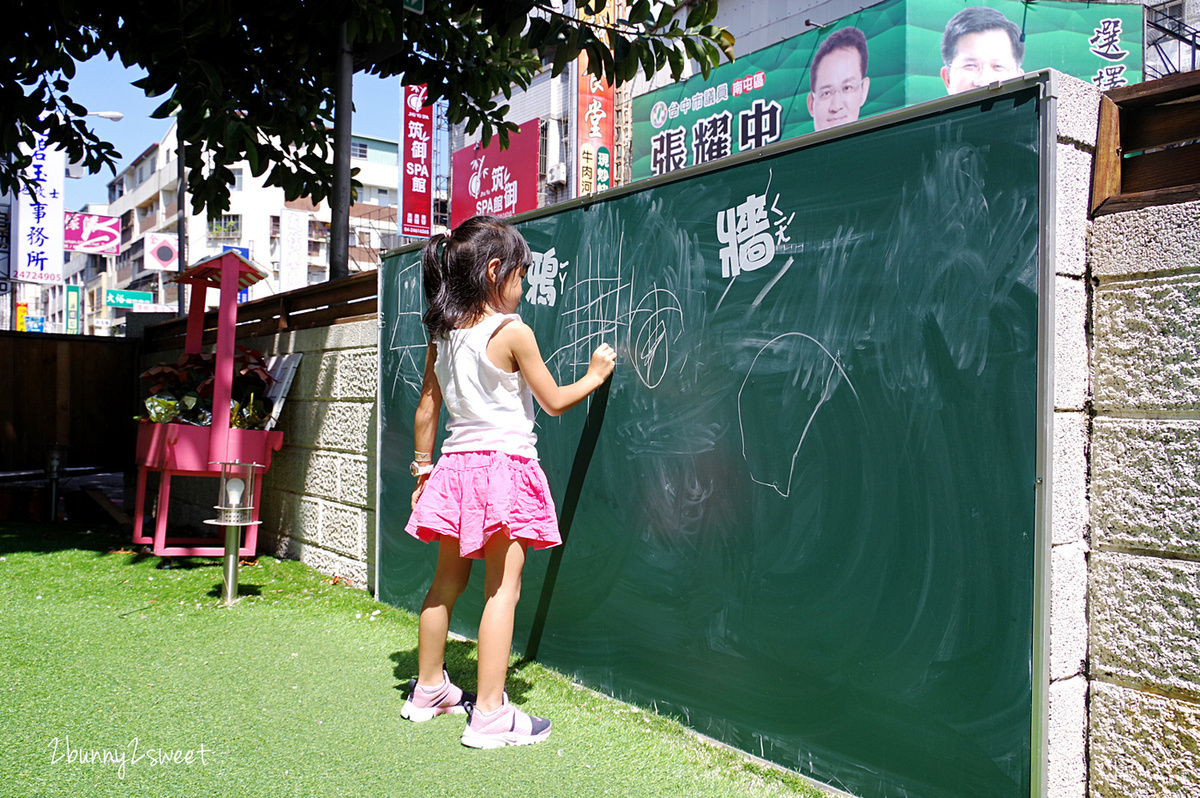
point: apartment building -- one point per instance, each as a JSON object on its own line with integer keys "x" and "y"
{"x": 145, "y": 196}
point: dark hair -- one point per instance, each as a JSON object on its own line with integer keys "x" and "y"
{"x": 977, "y": 19}
{"x": 848, "y": 38}
{"x": 454, "y": 265}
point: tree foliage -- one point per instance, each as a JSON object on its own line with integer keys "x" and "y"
{"x": 254, "y": 81}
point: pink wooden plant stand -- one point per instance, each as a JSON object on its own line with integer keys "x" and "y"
{"x": 187, "y": 450}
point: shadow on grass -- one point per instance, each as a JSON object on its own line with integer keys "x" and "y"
{"x": 218, "y": 590}
{"x": 461, "y": 664}
{"x": 46, "y": 538}
{"x": 39, "y": 537}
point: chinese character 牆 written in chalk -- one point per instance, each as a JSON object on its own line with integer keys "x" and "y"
{"x": 746, "y": 233}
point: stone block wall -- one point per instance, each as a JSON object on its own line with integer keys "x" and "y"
{"x": 319, "y": 496}
{"x": 1077, "y": 109}
{"x": 1144, "y": 581}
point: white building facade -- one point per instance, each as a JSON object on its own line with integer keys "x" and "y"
{"x": 145, "y": 196}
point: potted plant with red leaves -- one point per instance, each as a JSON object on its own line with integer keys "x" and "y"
{"x": 183, "y": 391}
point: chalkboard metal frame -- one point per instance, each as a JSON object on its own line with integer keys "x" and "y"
{"x": 1045, "y": 83}
{"x": 1044, "y": 464}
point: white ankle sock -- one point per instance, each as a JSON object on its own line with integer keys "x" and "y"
{"x": 432, "y": 690}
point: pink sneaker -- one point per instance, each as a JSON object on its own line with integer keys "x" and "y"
{"x": 424, "y": 703}
{"x": 506, "y": 726}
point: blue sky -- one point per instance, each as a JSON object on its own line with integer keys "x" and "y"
{"x": 102, "y": 85}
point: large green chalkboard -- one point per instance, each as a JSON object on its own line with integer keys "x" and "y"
{"x": 809, "y": 525}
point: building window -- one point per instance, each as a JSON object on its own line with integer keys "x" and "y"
{"x": 385, "y": 196}
{"x": 358, "y": 149}
{"x": 441, "y": 212}
{"x": 227, "y": 226}
{"x": 237, "y": 179}
{"x": 543, "y": 141}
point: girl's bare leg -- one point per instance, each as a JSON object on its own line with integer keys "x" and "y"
{"x": 449, "y": 582}
{"x": 505, "y": 560}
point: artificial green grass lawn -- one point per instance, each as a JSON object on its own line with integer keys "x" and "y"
{"x": 117, "y": 672}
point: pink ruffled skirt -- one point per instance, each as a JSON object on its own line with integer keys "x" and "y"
{"x": 473, "y": 495}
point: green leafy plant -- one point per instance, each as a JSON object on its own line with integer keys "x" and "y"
{"x": 183, "y": 391}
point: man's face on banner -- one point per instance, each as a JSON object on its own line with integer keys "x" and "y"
{"x": 980, "y": 59}
{"x": 839, "y": 89}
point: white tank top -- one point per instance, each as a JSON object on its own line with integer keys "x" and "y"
{"x": 490, "y": 409}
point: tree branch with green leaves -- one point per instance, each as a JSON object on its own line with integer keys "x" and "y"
{"x": 254, "y": 81}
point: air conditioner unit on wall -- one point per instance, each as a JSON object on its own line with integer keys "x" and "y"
{"x": 557, "y": 174}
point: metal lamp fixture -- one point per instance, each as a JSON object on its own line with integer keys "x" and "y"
{"x": 55, "y": 454}
{"x": 235, "y": 509}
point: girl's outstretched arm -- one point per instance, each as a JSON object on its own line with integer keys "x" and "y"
{"x": 516, "y": 341}
{"x": 429, "y": 407}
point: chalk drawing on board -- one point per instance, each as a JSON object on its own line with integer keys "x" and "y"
{"x": 591, "y": 315}
{"x": 656, "y": 324}
{"x": 410, "y": 369}
{"x": 758, "y": 300}
{"x": 796, "y": 375}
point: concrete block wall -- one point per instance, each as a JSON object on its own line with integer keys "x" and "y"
{"x": 1144, "y": 586}
{"x": 1125, "y": 564}
{"x": 1077, "y": 109}
{"x": 319, "y": 496}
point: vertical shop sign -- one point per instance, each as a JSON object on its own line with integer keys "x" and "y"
{"x": 38, "y": 248}
{"x": 74, "y": 309}
{"x": 594, "y": 123}
{"x": 293, "y": 249}
{"x": 416, "y": 180}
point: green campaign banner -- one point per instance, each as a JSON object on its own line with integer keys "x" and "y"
{"x": 890, "y": 55}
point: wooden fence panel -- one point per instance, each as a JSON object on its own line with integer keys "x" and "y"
{"x": 80, "y": 391}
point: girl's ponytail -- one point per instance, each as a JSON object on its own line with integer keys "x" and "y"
{"x": 433, "y": 268}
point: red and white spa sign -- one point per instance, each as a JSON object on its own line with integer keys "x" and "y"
{"x": 416, "y": 167}
{"x": 494, "y": 182}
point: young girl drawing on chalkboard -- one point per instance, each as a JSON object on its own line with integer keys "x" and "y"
{"x": 487, "y": 497}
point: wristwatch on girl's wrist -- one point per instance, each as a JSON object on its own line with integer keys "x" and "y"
{"x": 419, "y": 469}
